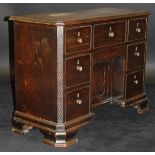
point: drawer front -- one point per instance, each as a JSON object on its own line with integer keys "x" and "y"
{"x": 77, "y": 103}
{"x": 137, "y": 29}
{"x": 134, "y": 84}
{"x": 136, "y": 56}
{"x": 77, "y": 70}
{"x": 110, "y": 33}
{"x": 104, "y": 54}
{"x": 78, "y": 39}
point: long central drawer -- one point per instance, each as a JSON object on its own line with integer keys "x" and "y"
{"x": 109, "y": 33}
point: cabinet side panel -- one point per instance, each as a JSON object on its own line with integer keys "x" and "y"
{"x": 35, "y": 70}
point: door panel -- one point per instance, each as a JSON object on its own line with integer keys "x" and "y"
{"x": 100, "y": 82}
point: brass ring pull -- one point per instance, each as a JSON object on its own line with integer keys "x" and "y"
{"x": 138, "y": 30}
{"x": 79, "y": 68}
{"x": 79, "y": 40}
{"x": 137, "y": 54}
{"x": 111, "y": 34}
{"x": 136, "y": 82}
{"x": 79, "y": 101}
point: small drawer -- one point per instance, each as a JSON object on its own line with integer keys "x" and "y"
{"x": 109, "y": 33}
{"x": 137, "y": 29}
{"x": 136, "y": 56}
{"x": 77, "y": 103}
{"x": 134, "y": 84}
{"x": 78, "y": 39}
{"x": 77, "y": 70}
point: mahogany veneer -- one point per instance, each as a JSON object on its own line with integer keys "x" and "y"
{"x": 67, "y": 64}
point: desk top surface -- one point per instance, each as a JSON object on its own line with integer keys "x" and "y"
{"x": 79, "y": 16}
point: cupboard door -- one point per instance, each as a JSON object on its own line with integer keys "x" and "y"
{"x": 100, "y": 83}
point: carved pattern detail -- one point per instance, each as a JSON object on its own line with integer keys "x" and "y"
{"x": 60, "y": 73}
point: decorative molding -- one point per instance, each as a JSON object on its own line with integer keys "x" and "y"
{"x": 76, "y": 120}
{"x": 36, "y": 125}
{"x": 41, "y": 120}
{"x": 60, "y": 53}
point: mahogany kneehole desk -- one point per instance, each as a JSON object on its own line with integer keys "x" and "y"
{"x": 66, "y": 64}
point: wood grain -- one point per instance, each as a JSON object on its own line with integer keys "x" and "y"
{"x": 67, "y": 64}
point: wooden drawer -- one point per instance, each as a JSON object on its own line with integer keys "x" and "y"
{"x": 134, "y": 84}
{"x": 104, "y": 54}
{"x": 109, "y": 33}
{"x": 136, "y": 55}
{"x": 137, "y": 29}
{"x": 78, "y": 39}
{"x": 77, "y": 70}
{"x": 77, "y": 103}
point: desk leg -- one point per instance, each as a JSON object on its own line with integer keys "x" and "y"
{"x": 20, "y": 128}
{"x": 59, "y": 139}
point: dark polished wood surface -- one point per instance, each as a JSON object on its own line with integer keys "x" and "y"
{"x": 68, "y": 64}
{"x": 134, "y": 84}
{"x": 137, "y": 29}
{"x": 136, "y": 56}
{"x": 73, "y": 36}
{"x": 75, "y": 76}
{"x": 79, "y": 16}
{"x": 74, "y": 110}
{"x": 102, "y": 31}
{"x": 35, "y": 80}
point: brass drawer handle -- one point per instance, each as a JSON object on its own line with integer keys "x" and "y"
{"x": 79, "y": 40}
{"x": 136, "y": 82}
{"x": 138, "y": 30}
{"x": 79, "y": 68}
{"x": 111, "y": 34}
{"x": 79, "y": 101}
{"x": 137, "y": 54}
